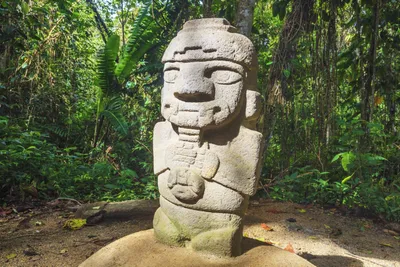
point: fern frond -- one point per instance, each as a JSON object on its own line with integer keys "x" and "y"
{"x": 58, "y": 130}
{"x": 113, "y": 114}
{"x": 106, "y": 64}
{"x": 142, "y": 37}
{"x": 115, "y": 103}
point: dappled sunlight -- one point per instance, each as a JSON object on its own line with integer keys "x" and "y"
{"x": 325, "y": 237}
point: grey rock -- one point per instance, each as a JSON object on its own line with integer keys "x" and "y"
{"x": 142, "y": 249}
{"x": 291, "y": 220}
{"x": 309, "y": 231}
{"x": 294, "y": 227}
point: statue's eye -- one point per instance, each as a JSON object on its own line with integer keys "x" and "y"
{"x": 225, "y": 76}
{"x": 171, "y": 75}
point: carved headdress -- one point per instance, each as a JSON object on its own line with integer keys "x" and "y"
{"x": 211, "y": 39}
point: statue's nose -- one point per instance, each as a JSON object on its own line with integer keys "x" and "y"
{"x": 192, "y": 89}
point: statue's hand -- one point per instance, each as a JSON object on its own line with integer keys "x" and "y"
{"x": 186, "y": 184}
{"x": 207, "y": 162}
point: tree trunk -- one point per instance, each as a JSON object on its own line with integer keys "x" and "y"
{"x": 123, "y": 23}
{"x": 125, "y": 210}
{"x": 367, "y": 104}
{"x": 207, "y": 12}
{"x": 390, "y": 126}
{"x": 99, "y": 21}
{"x": 297, "y": 22}
{"x": 244, "y": 16}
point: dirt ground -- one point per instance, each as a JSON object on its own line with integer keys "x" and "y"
{"x": 324, "y": 237}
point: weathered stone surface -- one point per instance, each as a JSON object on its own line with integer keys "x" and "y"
{"x": 207, "y": 152}
{"x": 142, "y": 249}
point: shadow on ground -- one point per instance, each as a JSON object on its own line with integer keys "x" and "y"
{"x": 250, "y": 243}
{"x": 336, "y": 261}
{"x": 325, "y": 235}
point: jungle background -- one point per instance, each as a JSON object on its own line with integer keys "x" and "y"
{"x": 80, "y": 84}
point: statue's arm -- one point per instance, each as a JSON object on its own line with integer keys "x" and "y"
{"x": 240, "y": 162}
{"x": 163, "y": 136}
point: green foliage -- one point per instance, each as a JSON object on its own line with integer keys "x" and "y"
{"x": 29, "y": 160}
{"x": 24, "y": 156}
{"x": 355, "y": 180}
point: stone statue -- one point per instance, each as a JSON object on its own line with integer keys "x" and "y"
{"x": 207, "y": 153}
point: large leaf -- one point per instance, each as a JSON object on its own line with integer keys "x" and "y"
{"x": 336, "y": 157}
{"x": 112, "y": 47}
{"x": 347, "y": 159}
{"x": 347, "y": 178}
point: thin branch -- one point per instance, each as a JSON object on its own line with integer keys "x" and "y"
{"x": 100, "y": 22}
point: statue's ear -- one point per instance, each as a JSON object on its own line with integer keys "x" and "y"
{"x": 253, "y": 107}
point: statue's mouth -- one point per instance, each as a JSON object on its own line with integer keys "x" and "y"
{"x": 203, "y": 108}
{"x": 195, "y": 114}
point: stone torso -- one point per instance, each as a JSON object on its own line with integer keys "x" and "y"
{"x": 222, "y": 161}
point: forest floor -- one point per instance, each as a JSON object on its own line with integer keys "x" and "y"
{"x": 324, "y": 237}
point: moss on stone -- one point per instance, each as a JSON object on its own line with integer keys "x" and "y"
{"x": 224, "y": 242}
{"x": 166, "y": 231}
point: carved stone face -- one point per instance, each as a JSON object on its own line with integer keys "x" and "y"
{"x": 206, "y": 73}
{"x": 199, "y": 94}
